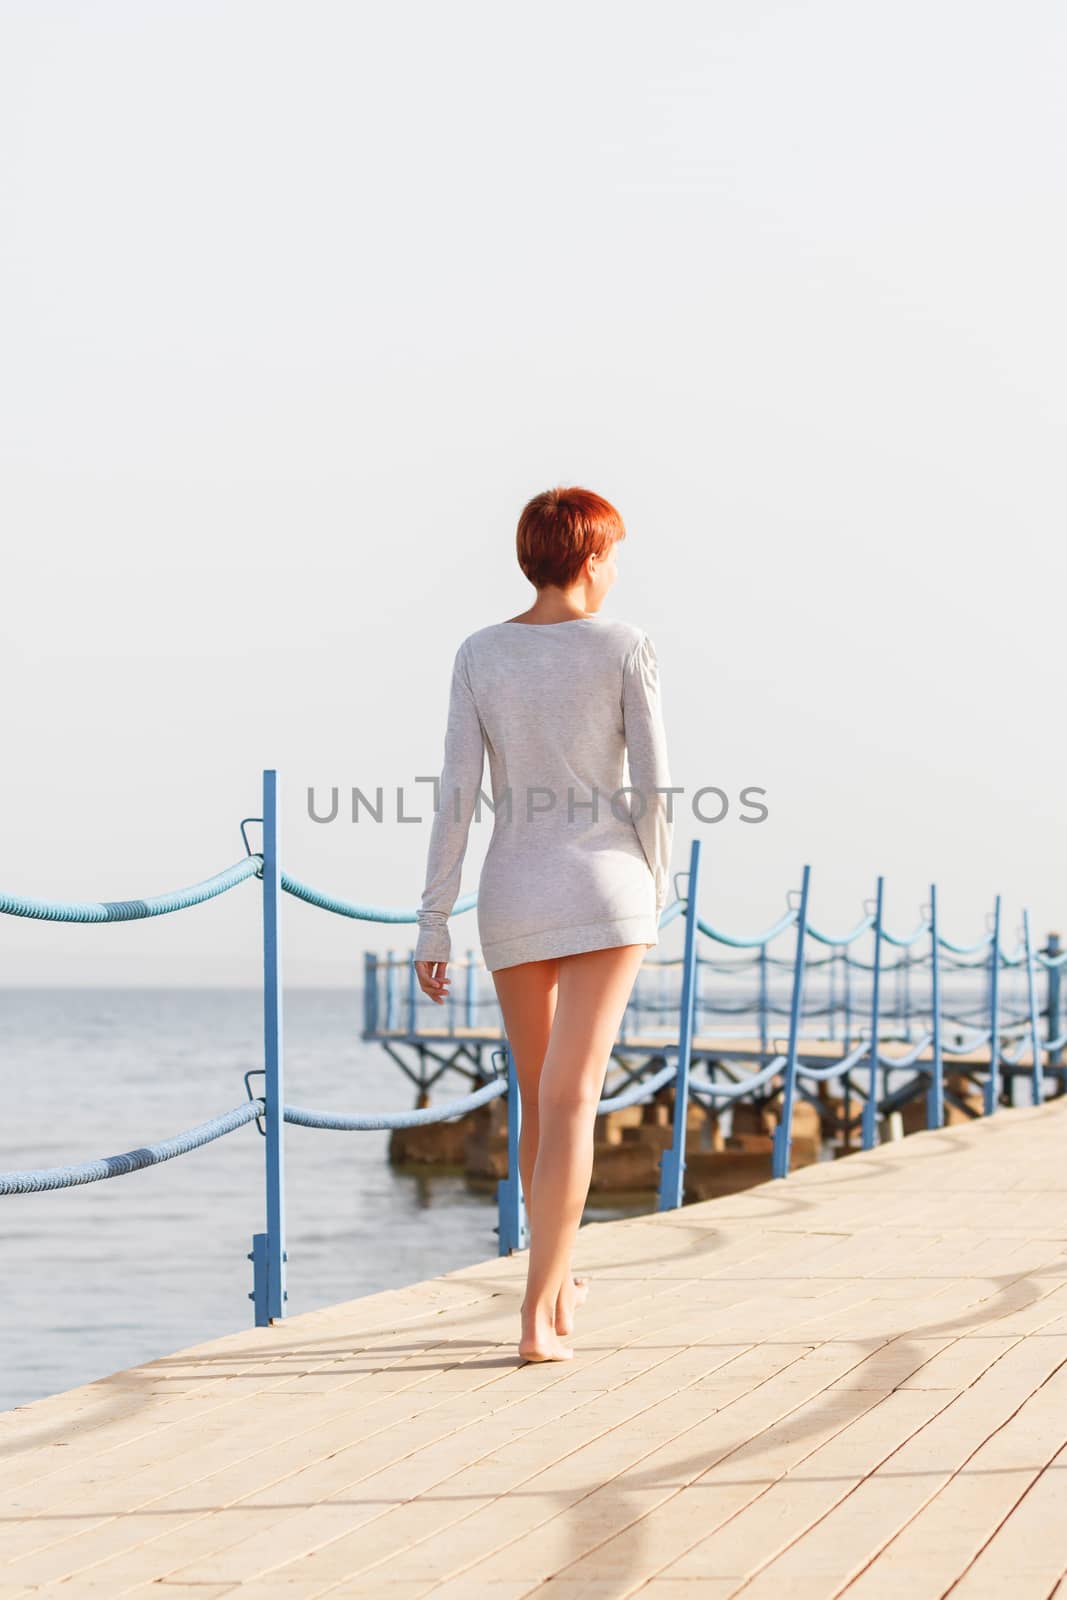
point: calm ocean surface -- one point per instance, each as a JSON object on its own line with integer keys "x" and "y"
{"x": 106, "y": 1275}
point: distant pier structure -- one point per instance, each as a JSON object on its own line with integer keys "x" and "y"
{"x": 960, "y": 1029}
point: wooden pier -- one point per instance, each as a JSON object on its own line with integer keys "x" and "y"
{"x": 851, "y": 1381}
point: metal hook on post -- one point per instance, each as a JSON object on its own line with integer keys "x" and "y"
{"x": 252, "y": 1073}
{"x": 244, "y": 836}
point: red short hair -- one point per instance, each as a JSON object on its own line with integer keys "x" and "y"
{"x": 558, "y": 529}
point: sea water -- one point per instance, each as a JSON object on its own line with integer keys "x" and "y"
{"x": 104, "y": 1276}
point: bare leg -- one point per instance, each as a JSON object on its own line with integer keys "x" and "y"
{"x": 592, "y": 991}
{"x": 527, "y": 996}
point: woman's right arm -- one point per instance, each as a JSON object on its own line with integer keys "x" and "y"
{"x": 461, "y": 778}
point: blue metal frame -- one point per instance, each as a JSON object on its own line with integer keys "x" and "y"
{"x": 672, "y": 1162}
{"x": 783, "y": 1135}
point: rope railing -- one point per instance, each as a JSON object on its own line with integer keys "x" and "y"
{"x": 360, "y": 1123}
{"x": 41, "y": 1178}
{"x": 841, "y": 938}
{"x": 741, "y": 1087}
{"x": 905, "y": 941}
{"x": 130, "y": 910}
{"x": 363, "y": 913}
{"x": 740, "y": 943}
{"x": 639, "y": 1092}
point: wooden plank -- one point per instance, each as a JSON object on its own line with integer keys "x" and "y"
{"x": 1027, "y": 1553}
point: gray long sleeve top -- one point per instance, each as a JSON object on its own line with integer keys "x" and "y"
{"x": 576, "y": 860}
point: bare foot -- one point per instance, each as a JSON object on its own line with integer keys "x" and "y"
{"x": 570, "y": 1296}
{"x": 540, "y": 1341}
{"x": 546, "y": 1347}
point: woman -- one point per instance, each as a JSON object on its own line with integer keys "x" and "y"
{"x": 577, "y": 869}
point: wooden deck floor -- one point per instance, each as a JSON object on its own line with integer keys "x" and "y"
{"x": 854, "y": 1381}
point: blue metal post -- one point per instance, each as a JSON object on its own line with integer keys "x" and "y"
{"x": 269, "y": 1261}
{"x": 935, "y": 1095}
{"x": 392, "y": 1001}
{"x": 1037, "y": 1080}
{"x": 1053, "y": 948}
{"x": 992, "y": 1085}
{"x": 847, "y": 984}
{"x": 471, "y": 974}
{"x": 870, "y": 1109}
{"x": 672, "y": 1161}
{"x": 512, "y": 1231}
{"x": 898, "y": 968}
{"x": 764, "y": 1042}
{"x": 413, "y": 998}
{"x": 783, "y": 1134}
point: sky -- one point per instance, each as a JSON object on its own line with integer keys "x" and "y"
{"x": 301, "y": 303}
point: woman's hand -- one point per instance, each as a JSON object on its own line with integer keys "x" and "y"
{"x": 433, "y": 980}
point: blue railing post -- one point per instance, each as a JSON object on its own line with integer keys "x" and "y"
{"x": 672, "y": 1161}
{"x": 470, "y": 1011}
{"x": 370, "y": 992}
{"x": 935, "y": 1095}
{"x": 992, "y": 1086}
{"x": 783, "y": 1134}
{"x": 870, "y": 1108}
{"x": 764, "y": 1043}
{"x": 392, "y": 1001}
{"x": 1053, "y": 948}
{"x": 270, "y": 1297}
{"x": 413, "y": 998}
{"x": 1037, "y": 1080}
{"x": 846, "y": 975}
{"x": 512, "y": 1231}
